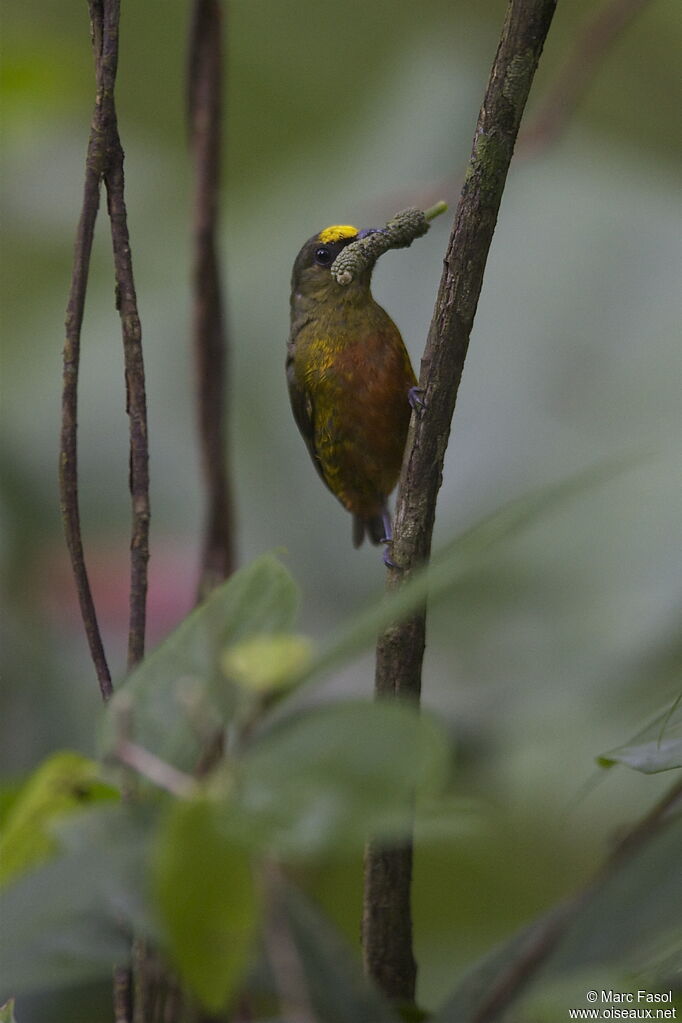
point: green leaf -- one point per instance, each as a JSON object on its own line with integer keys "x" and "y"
{"x": 327, "y": 778}
{"x": 456, "y": 564}
{"x": 207, "y": 900}
{"x": 68, "y": 920}
{"x": 7, "y": 1012}
{"x": 265, "y": 663}
{"x": 330, "y": 975}
{"x": 62, "y": 784}
{"x": 473, "y": 989}
{"x": 633, "y": 913}
{"x": 658, "y": 747}
{"x": 178, "y": 696}
{"x": 629, "y": 919}
{"x": 9, "y": 791}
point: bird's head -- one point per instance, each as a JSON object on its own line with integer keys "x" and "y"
{"x": 311, "y": 278}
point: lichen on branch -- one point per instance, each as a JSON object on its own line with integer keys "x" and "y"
{"x": 399, "y": 232}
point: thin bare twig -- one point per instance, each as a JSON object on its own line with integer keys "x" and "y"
{"x": 158, "y": 994}
{"x": 155, "y": 770}
{"x": 136, "y": 402}
{"x": 105, "y": 162}
{"x": 387, "y": 949}
{"x": 204, "y": 102}
{"x": 126, "y": 303}
{"x": 68, "y": 455}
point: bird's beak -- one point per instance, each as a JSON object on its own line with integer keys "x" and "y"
{"x": 368, "y": 230}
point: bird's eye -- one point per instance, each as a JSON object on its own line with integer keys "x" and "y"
{"x": 323, "y": 256}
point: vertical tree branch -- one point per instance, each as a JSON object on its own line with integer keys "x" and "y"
{"x": 136, "y": 402}
{"x": 210, "y": 346}
{"x": 105, "y": 162}
{"x": 159, "y": 996}
{"x": 387, "y": 946}
{"x": 68, "y": 452}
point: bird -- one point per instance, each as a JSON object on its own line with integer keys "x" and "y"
{"x": 351, "y": 384}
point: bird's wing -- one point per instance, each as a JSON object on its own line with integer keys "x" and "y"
{"x": 304, "y": 414}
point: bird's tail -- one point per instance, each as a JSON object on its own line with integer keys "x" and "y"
{"x": 374, "y": 527}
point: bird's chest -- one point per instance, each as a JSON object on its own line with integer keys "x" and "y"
{"x": 358, "y": 365}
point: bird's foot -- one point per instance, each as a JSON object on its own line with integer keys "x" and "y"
{"x": 387, "y": 539}
{"x": 386, "y": 558}
{"x": 414, "y": 397}
{"x": 388, "y": 526}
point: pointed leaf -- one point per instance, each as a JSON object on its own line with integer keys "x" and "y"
{"x": 455, "y": 564}
{"x": 266, "y": 663}
{"x": 207, "y": 900}
{"x": 636, "y": 909}
{"x": 67, "y": 921}
{"x": 630, "y": 917}
{"x": 178, "y": 695}
{"x": 326, "y": 779}
{"x": 7, "y": 1012}
{"x": 658, "y": 747}
{"x": 64, "y": 783}
{"x": 330, "y": 975}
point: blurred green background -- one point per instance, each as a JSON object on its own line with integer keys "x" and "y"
{"x": 345, "y": 113}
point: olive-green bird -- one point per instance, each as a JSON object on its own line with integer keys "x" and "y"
{"x": 351, "y": 383}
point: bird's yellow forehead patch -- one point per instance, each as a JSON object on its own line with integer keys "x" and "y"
{"x": 336, "y": 233}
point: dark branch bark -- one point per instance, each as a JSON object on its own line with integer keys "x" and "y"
{"x": 388, "y": 955}
{"x": 210, "y": 345}
{"x": 159, "y": 996}
{"x": 68, "y": 452}
{"x": 105, "y": 162}
{"x": 136, "y": 401}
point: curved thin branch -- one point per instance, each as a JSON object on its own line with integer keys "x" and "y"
{"x": 136, "y": 402}
{"x": 210, "y": 343}
{"x": 126, "y": 303}
{"x": 68, "y": 453}
{"x": 105, "y": 162}
{"x": 387, "y": 952}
